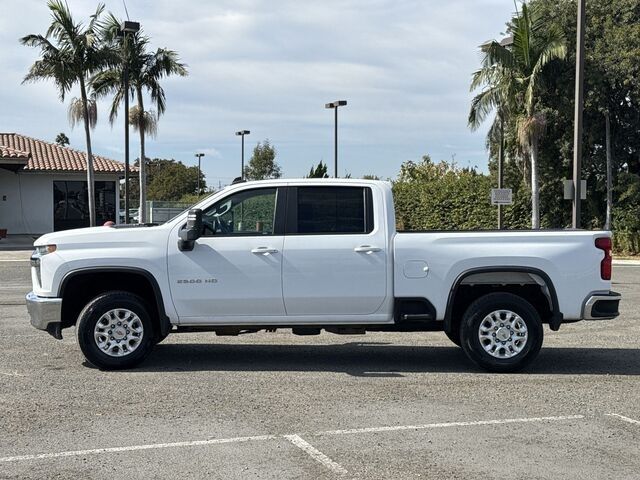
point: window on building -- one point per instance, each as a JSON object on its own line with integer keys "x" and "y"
{"x": 71, "y": 206}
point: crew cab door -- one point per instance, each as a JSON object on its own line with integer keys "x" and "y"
{"x": 335, "y": 255}
{"x": 234, "y": 272}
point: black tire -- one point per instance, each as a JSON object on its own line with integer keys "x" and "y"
{"x": 454, "y": 335}
{"x": 475, "y": 315}
{"x": 90, "y": 316}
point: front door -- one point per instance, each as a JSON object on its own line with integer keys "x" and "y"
{"x": 335, "y": 258}
{"x": 234, "y": 272}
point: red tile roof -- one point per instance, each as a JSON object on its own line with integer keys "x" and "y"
{"x": 45, "y": 156}
{"x": 8, "y": 152}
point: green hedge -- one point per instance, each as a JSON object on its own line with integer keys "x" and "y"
{"x": 440, "y": 196}
{"x": 626, "y": 243}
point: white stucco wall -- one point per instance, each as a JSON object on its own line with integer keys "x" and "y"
{"x": 26, "y": 200}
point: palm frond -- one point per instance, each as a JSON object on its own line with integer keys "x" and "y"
{"x": 145, "y": 121}
{"x": 482, "y": 105}
{"x": 76, "y": 112}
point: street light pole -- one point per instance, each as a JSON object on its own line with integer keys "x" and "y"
{"x": 126, "y": 29}
{"x": 199, "y": 155}
{"x": 242, "y": 133}
{"x": 579, "y": 103}
{"x": 335, "y": 105}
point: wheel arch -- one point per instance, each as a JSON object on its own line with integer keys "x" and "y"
{"x": 144, "y": 284}
{"x": 555, "y": 318}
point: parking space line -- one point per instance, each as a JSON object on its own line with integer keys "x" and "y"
{"x": 316, "y": 454}
{"x": 623, "y": 418}
{"x": 451, "y": 424}
{"x": 152, "y": 446}
{"x": 14, "y": 374}
{"x": 293, "y": 438}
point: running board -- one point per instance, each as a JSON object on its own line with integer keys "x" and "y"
{"x": 417, "y": 317}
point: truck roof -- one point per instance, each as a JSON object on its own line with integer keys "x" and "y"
{"x": 302, "y": 181}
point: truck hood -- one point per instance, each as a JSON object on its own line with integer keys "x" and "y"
{"x": 98, "y": 235}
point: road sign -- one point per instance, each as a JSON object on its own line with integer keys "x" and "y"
{"x": 501, "y": 196}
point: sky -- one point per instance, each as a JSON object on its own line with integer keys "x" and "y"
{"x": 404, "y": 66}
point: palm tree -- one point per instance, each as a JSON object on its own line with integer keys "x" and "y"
{"x": 70, "y": 53}
{"x": 511, "y": 72}
{"x": 145, "y": 70}
{"x": 499, "y": 94}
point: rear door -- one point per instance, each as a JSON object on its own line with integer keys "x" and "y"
{"x": 335, "y": 255}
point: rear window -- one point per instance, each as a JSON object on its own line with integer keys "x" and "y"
{"x": 334, "y": 210}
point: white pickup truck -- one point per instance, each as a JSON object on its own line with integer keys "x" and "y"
{"x": 311, "y": 255}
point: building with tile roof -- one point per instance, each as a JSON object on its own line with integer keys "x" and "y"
{"x": 43, "y": 186}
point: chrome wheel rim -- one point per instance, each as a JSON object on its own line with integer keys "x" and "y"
{"x": 118, "y": 332}
{"x": 503, "y": 334}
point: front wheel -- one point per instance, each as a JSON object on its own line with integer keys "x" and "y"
{"x": 115, "y": 331}
{"x": 501, "y": 332}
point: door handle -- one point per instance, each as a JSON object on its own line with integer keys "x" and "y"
{"x": 368, "y": 249}
{"x": 264, "y": 250}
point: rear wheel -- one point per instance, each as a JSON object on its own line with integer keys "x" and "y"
{"x": 501, "y": 332}
{"x": 115, "y": 331}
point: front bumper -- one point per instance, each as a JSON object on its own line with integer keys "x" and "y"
{"x": 601, "y": 306}
{"x": 45, "y": 313}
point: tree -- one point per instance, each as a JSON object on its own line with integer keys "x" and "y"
{"x": 62, "y": 139}
{"x": 511, "y": 74}
{"x": 70, "y": 53}
{"x": 320, "y": 171}
{"x": 170, "y": 180}
{"x": 612, "y": 88}
{"x": 370, "y": 177}
{"x": 145, "y": 70}
{"x": 263, "y": 163}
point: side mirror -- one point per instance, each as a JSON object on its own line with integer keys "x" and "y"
{"x": 192, "y": 231}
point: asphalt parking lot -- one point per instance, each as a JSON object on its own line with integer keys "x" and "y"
{"x": 274, "y": 405}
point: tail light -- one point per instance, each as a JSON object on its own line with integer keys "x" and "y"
{"x": 605, "y": 265}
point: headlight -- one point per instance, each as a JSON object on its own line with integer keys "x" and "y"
{"x": 45, "y": 249}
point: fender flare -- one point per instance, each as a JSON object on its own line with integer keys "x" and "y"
{"x": 163, "y": 319}
{"x": 556, "y": 314}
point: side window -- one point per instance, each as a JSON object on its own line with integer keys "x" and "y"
{"x": 251, "y": 212}
{"x": 334, "y": 210}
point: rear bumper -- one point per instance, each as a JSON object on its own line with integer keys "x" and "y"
{"x": 601, "y": 306}
{"x": 45, "y": 313}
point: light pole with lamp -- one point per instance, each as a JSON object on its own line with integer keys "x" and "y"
{"x": 242, "y": 133}
{"x": 199, "y": 155}
{"x": 335, "y": 105}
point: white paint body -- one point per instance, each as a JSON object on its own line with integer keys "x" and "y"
{"x": 321, "y": 279}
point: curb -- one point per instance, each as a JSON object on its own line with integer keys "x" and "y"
{"x": 628, "y": 263}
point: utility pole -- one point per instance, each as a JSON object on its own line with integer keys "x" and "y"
{"x": 607, "y": 225}
{"x": 579, "y": 104}
{"x": 335, "y": 105}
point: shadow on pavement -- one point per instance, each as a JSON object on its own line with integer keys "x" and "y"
{"x": 376, "y": 360}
